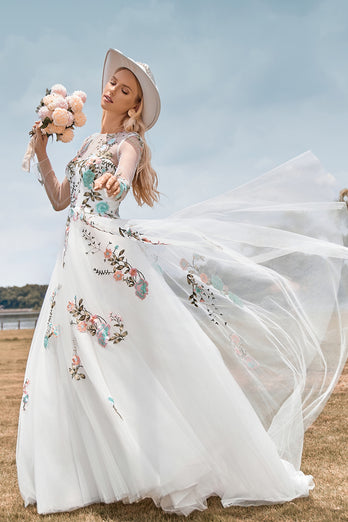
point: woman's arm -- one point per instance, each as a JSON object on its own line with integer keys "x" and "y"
{"x": 118, "y": 184}
{"x": 58, "y": 193}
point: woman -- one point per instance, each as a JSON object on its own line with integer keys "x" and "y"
{"x": 183, "y": 357}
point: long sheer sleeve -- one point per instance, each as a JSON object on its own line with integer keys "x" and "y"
{"x": 58, "y": 193}
{"x": 127, "y": 157}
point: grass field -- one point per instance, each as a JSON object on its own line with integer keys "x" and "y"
{"x": 325, "y": 457}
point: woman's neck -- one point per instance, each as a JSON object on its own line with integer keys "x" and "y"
{"x": 111, "y": 123}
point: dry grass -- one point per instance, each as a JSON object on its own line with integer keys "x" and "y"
{"x": 325, "y": 457}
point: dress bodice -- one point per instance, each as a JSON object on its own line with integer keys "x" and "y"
{"x": 118, "y": 153}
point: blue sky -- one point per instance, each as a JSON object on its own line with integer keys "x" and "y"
{"x": 245, "y": 85}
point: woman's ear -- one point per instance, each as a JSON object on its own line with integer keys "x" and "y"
{"x": 136, "y": 107}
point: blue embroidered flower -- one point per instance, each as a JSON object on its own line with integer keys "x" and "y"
{"x": 88, "y": 178}
{"x": 102, "y": 207}
{"x": 141, "y": 288}
{"x": 45, "y": 341}
{"x": 235, "y": 299}
{"x": 111, "y": 141}
{"x": 103, "y": 333}
{"x": 217, "y": 282}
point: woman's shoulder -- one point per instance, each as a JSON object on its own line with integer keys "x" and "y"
{"x": 132, "y": 137}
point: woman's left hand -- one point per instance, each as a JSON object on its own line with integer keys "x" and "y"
{"x": 109, "y": 182}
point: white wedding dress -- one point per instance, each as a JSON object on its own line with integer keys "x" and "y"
{"x": 185, "y": 357}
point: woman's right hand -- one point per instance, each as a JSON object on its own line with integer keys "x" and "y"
{"x": 40, "y": 142}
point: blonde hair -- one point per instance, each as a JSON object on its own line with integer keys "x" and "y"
{"x": 145, "y": 180}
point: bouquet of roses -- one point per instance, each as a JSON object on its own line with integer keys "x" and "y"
{"x": 59, "y": 113}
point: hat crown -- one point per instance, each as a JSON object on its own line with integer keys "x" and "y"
{"x": 147, "y": 71}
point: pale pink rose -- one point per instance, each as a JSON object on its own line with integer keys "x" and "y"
{"x": 47, "y": 100}
{"x": 60, "y": 117}
{"x": 133, "y": 272}
{"x": 70, "y": 119}
{"x": 80, "y": 119}
{"x": 59, "y": 89}
{"x": 58, "y": 102}
{"x": 53, "y": 129}
{"x": 67, "y": 136}
{"x": 81, "y": 95}
{"x": 44, "y": 112}
{"x": 75, "y": 103}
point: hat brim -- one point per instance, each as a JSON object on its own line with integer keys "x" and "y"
{"x": 114, "y": 59}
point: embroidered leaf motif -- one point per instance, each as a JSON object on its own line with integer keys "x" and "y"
{"x": 121, "y": 269}
{"x": 137, "y": 235}
{"x": 76, "y": 364}
{"x": 25, "y": 396}
{"x": 51, "y": 329}
{"x": 203, "y": 296}
{"x": 97, "y": 325}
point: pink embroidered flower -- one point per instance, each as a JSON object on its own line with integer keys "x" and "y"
{"x": 70, "y": 306}
{"x": 60, "y": 117}
{"x": 133, "y": 272}
{"x": 107, "y": 253}
{"x": 80, "y": 119}
{"x": 58, "y": 88}
{"x": 81, "y": 95}
{"x": 204, "y": 277}
{"x": 235, "y": 338}
{"x": 76, "y": 360}
{"x": 183, "y": 263}
{"x": 94, "y": 319}
{"x": 118, "y": 275}
{"x": 82, "y": 326}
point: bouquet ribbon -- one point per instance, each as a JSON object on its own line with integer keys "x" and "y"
{"x": 29, "y": 154}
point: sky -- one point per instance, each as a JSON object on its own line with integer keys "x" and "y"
{"x": 245, "y": 86}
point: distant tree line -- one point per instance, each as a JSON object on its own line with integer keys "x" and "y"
{"x": 28, "y": 296}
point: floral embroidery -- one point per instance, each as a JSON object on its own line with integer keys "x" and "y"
{"x": 88, "y": 178}
{"x": 137, "y": 235}
{"x": 25, "y": 396}
{"x": 102, "y": 207}
{"x": 241, "y": 352}
{"x": 214, "y": 280}
{"x": 202, "y": 295}
{"x": 111, "y": 400}
{"x": 121, "y": 269}
{"x": 51, "y": 329}
{"x": 95, "y": 324}
{"x": 76, "y": 365}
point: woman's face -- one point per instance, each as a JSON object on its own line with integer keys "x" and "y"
{"x": 121, "y": 93}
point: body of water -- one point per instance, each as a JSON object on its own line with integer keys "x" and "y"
{"x": 18, "y": 319}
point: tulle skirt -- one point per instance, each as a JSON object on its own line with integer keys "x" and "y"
{"x": 184, "y": 357}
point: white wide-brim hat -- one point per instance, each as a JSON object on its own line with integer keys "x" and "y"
{"x": 114, "y": 59}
